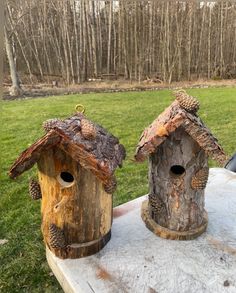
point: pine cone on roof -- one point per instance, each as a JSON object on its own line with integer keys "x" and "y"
{"x": 87, "y": 129}
{"x": 199, "y": 180}
{"x": 34, "y": 189}
{"x": 56, "y": 237}
{"x": 110, "y": 186}
{"x": 187, "y": 102}
{"x": 50, "y": 123}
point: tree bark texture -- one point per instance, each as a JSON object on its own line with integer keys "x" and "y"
{"x": 101, "y": 153}
{"x": 82, "y": 210}
{"x": 167, "y": 122}
{"x": 173, "y": 203}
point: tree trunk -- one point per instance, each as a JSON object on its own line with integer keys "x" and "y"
{"x": 15, "y": 89}
{"x": 109, "y": 37}
{"x": 209, "y": 47}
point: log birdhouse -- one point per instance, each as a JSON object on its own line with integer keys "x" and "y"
{"x": 177, "y": 144}
{"x": 76, "y": 161}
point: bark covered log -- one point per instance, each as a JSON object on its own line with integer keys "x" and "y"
{"x": 173, "y": 203}
{"x": 81, "y": 209}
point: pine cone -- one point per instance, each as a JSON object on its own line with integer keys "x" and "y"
{"x": 50, "y": 123}
{"x": 56, "y": 237}
{"x": 110, "y": 186}
{"x": 34, "y": 189}
{"x": 87, "y": 129}
{"x": 156, "y": 204}
{"x": 187, "y": 102}
{"x": 199, "y": 180}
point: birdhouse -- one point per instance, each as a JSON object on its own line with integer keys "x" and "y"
{"x": 178, "y": 145}
{"x": 76, "y": 160}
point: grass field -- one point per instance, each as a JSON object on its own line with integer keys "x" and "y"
{"x": 23, "y": 266}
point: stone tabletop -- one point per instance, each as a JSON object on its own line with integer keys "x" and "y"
{"x": 137, "y": 261}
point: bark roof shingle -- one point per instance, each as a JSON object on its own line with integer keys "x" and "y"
{"x": 101, "y": 154}
{"x": 167, "y": 122}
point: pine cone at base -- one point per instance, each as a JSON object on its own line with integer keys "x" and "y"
{"x": 87, "y": 129}
{"x": 187, "y": 102}
{"x": 110, "y": 186}
{"x": 156, "y": 204}
{"x": 56, "y": 237}
{"x": 34, "y": 189}
{"x": 199, "y": 180}
{"x": 50, "y": 123}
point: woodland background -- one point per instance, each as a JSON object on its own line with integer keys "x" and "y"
{"x": 77, "y": 44}
{"x": 80, "y": 40}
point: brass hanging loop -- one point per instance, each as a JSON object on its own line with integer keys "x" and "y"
{"x": 80, "y": 108}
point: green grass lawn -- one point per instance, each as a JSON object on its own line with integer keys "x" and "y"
{"x": 23, "y": 266}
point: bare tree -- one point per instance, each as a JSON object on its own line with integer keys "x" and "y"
{"x": 76, "y": 40}
{"x": 15, "y": 89}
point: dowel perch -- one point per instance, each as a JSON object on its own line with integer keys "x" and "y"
{"x": 177, "y": 144}
{"x": 76, "y": 161}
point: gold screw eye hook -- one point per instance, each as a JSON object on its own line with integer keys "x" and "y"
{"x": 80, "y": 108}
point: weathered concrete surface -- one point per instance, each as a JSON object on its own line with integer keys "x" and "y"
{"x": 137, "y": 261}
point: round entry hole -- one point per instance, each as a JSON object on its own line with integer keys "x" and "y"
{"x": 177, "y": 170}
{"x": 66, "y": 179}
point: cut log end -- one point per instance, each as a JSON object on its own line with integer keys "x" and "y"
{"x": 83, "y": 249}
{"x": 167, "y": 233}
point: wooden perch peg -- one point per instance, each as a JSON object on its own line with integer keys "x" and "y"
{"x": 61, "y": 204}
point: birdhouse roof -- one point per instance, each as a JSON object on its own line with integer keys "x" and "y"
{"x": 175, "y": 116}
{"x": 86, "y": 142}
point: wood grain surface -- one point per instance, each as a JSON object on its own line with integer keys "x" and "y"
{"x": 83, "y": 210}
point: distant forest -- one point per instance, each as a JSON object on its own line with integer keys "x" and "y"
{"x": 77, "y": 40}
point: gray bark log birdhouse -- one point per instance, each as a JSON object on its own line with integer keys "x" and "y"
{"x": 76, "y": 162}
{"x": 178, "y": 145}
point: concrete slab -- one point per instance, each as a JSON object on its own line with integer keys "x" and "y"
{"x": 137, "y": 261}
